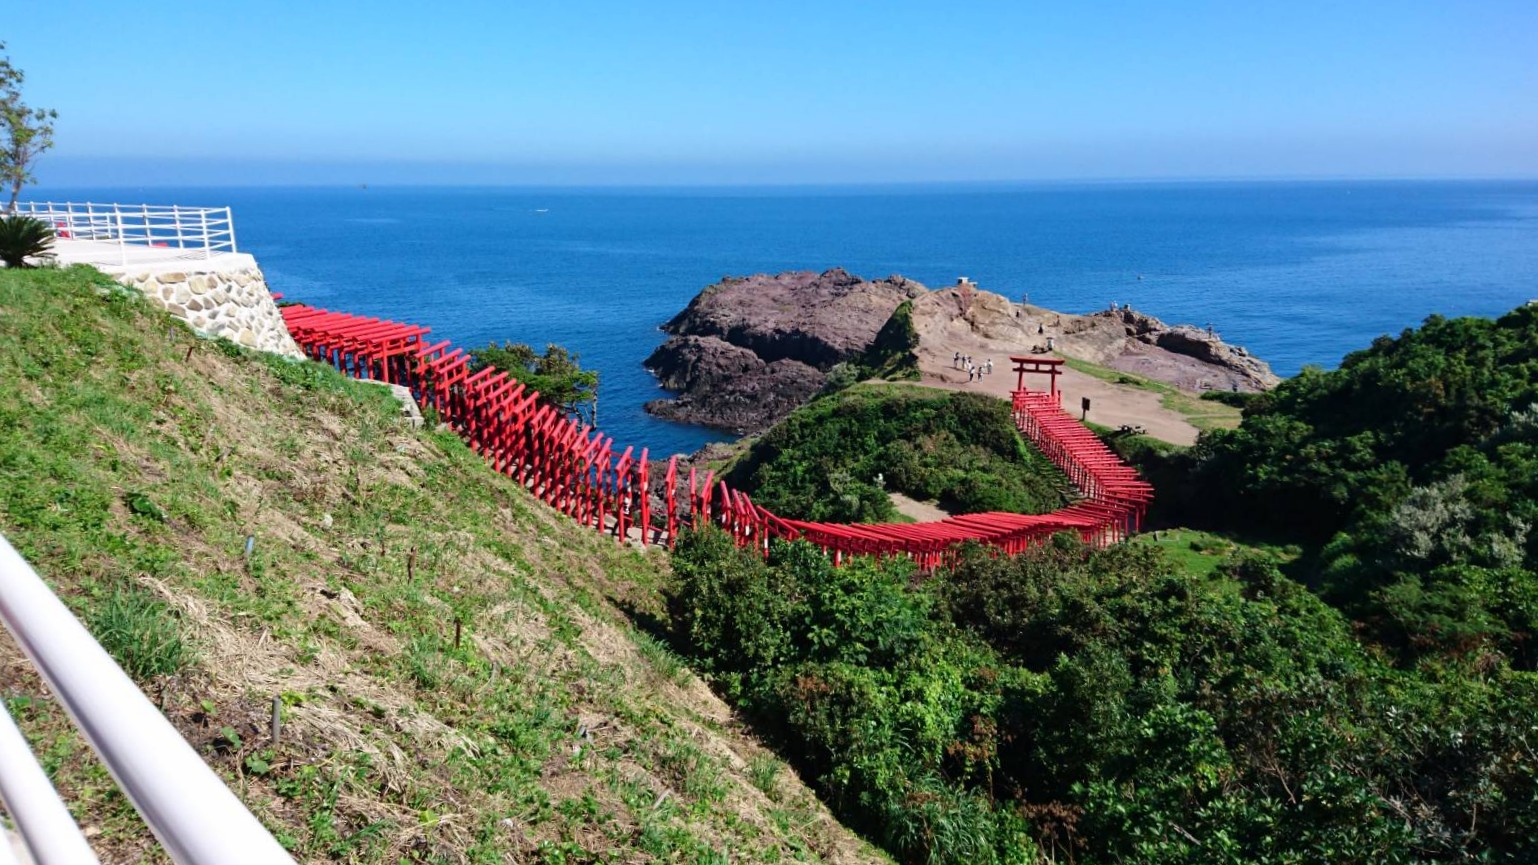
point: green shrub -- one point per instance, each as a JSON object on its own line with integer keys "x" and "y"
{"x": 1079, "y": 703}
{"x": 141, "y": 632}
{"x": 23, "y": 237}
{"x": 893, "y": 354}
{"x": 1410, "y": 477}
{"x": 836, "y": 458}
{"x": 1237, "y": 399}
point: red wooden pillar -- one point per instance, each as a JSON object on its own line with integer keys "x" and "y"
{"x": 670, "y": 486}
{"x": 643, "y": 485}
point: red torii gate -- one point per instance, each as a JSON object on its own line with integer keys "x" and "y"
{"x": 1052, "y": 366}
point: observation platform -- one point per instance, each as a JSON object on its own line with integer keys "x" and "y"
{"x": 115, "y": 258}
{"x": 141, "y": 238}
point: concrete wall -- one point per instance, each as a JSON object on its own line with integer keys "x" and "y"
{"x": 224, "y": 297}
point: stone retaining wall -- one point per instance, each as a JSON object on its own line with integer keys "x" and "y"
{"x": 225, "y": 299}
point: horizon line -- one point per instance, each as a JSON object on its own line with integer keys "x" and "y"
{"x": 823, "y": 184}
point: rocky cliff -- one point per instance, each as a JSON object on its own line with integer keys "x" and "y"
{"x": 748, "y": 350}
{"x": 1217, "y": 364}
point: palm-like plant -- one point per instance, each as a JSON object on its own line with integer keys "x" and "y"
{"x": 22, "y": 237}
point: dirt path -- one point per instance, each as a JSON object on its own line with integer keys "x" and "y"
{"x": 1110, "y": 404}
{"x": 923, "y": 512}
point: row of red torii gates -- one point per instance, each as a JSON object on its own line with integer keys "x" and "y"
{"x": 584, "y": 474}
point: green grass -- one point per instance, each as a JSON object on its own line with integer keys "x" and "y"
{"x": 141, "y": 632}
{"x": 138, "y": 461}
{"x": 1200, "y": 413}
{"x": 1202, "y": 553}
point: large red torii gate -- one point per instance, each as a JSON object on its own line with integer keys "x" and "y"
{"x": 1051, "y": 366}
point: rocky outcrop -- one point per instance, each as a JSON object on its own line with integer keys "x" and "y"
{"x": 748, "y": 350}
{"x": 727, "y": 386}
{"x": 1236, "y": 367}
{"x": 984, "y": 324}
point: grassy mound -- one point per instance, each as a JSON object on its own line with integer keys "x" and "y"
{"x": 456, "y": 680}
{"x": 837, "y": 457}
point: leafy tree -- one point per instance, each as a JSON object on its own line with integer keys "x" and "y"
{"x": 559, "y": 378}
{"x": 28, "y": 132}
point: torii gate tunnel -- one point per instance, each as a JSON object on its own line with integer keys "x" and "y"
{"x": 579, "y": 471}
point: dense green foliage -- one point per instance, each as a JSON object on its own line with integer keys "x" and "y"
{"x": 1412, "y": 471}
{"x": 559, "y": 378}
{"x": 836, "y": 457}
{"x": 1100, "y": 706}
{"x": 893, "y": 354}
{"x": 23, "y": 237}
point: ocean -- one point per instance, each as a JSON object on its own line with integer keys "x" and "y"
{"x": 1299, "y": 273}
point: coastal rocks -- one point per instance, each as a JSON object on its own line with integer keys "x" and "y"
{"x": 1229, "y": 367}
{"x": 746, "y": 402}
{"x": 963, "y": 313}
{"x": 984, "y": 324}
{"x": 816, "y": 318}
{"x": 747, "y": 350}
{"x": 228, "y": 302}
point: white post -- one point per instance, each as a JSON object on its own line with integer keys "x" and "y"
{"x": 208, "y": 251}
{"x": 122, "y": 246}
{"x": 195, "y": 816}
{"x": 229, "y": 223}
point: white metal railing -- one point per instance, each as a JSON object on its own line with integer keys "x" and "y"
{"x": 181, "y": 232}
{"x": 195, "y": 816}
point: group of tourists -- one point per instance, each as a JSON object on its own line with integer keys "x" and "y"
{"x": 975, "y": 371}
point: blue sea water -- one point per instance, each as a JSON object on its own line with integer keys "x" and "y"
{"x": 1300, "y": 273}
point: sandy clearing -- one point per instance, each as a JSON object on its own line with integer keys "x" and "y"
{"x": 986, "y": 325}
{"x": 924, "y": 512}
{"x": 1110, "y": 404}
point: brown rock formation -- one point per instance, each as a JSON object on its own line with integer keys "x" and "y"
{"x": 748, "y": 350}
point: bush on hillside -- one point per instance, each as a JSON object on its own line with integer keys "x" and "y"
{"x": 836, "y": 458}
{"x": 1080, "y": 704}
{"x": 893, "y": 354}
{"x": 1412, "y": 472}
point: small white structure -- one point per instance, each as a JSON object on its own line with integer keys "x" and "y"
{"x": 183, "y": 259}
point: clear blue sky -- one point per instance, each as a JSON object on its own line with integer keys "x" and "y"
{"x": 324, "y": 91}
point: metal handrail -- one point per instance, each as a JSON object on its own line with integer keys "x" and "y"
{"x": 194, "y": 815}
{"x": 206, "y": 230}
{"x": 47, "y": 830}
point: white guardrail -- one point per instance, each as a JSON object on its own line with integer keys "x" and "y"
{"x": 181, "y": 232}
{"x": 195, "y": 816}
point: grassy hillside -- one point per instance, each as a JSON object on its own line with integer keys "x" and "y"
{"x": 837, "y": 457}
{"x": 457, "y": 684}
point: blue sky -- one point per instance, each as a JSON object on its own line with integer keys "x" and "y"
{"x": 665, "y": 92}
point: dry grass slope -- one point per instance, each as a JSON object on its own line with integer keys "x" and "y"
{"x": 457, "y": 681}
